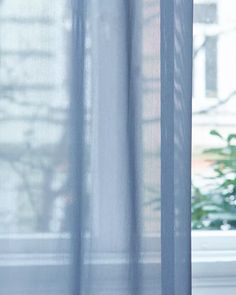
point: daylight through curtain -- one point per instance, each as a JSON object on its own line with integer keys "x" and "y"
{"x": 82, "y": 168}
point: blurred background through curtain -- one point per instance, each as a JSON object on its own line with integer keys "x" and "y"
{"x": 79, "y": 147}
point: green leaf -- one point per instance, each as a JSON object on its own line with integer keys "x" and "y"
{"x": 231, "y": 137}
{"x": 216, "y": 133}
{"x": 212, "y": 208}
{"x": 222, "y": 216}
{"x": 218, "y": 151}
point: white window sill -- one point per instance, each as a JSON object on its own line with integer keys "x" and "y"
{"x": 214, "y": 261}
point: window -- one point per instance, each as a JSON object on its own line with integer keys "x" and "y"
{"x": 98, "y": 199}
{"x": 213, "y": 111}
{"x": 33, "y": 97}
{"x": 205, "y": 49}
{"x": 216, "y": 115}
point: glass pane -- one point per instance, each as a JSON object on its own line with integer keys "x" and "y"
{"x": 214, "y": 101}
{"x": 34, "y": 198}
{"x": 34, "y": 105}
{"x": 151, "y": 116}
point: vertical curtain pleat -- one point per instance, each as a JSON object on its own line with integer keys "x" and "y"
{"x": 77, "y": 176}
{"x": 176, "y": 96}
{"x": 132, "y": 11}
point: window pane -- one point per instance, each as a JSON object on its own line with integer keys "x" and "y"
{"x": 214, "y": 115}
{"x": 34, "y": 104}
{"x": 34, "y": 198}
{"x": 151, "y": 116}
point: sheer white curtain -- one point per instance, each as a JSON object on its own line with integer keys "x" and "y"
{"x": 95, "y": 170}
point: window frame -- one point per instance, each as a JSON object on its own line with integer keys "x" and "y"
{"x": 214, "y": 261}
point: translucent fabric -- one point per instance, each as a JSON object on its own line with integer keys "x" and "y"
{"x": 80, "y": 177}
{"x": 80, "y": 156}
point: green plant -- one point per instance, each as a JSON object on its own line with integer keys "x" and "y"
{"x": 215, "y": 207}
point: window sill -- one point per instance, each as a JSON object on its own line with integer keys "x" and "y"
{"x": 214, "y": 262}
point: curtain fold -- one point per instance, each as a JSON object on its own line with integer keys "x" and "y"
{"x": 176, "y": 97}
{"x": 95, "y": 131}
{"x": 77, "y": 149}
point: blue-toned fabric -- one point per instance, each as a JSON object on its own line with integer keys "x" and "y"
{"x": 80, "y": 147}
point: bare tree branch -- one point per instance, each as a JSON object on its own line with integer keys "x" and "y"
{"x": 220, "y": 103}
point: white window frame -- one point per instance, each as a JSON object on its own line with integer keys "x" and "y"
{"x": 213, "y": 254}
{"x": 214, "y": 262}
